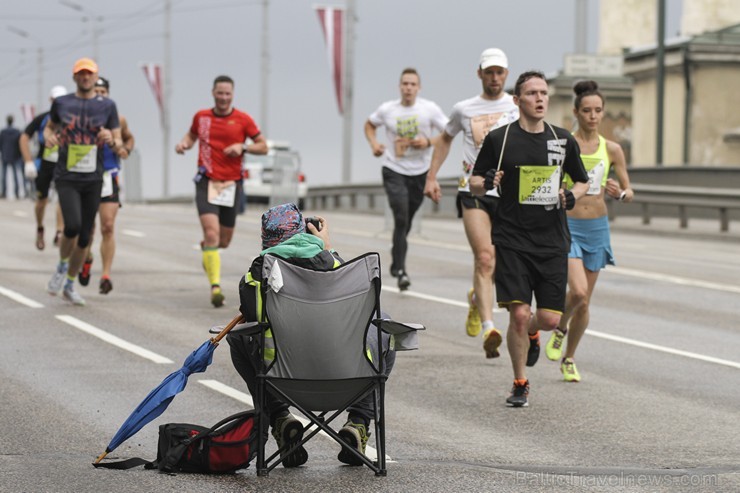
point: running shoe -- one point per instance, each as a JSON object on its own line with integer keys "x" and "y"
{"x": 105, "y": 285}
{"x": 519, "y": 394}
{"x": 554, "y": 347}
{"x": 57, "y": 238}
{"x": 569, "y": 370}
{"x": 491, "y": 342}
{"x": 217, "y": 297}
{"x": 356, "y": 435}
{"x": 533, "y": 354}
{"x": 287, "y": 432}
{"x": 73, "y": 296}
{"x": 84, "y": 275}
{"x": 57, "y": 281}
{"x": 404, "y": 281}
{"x": 40, "y": 238}
{"x": 473, "y": 324}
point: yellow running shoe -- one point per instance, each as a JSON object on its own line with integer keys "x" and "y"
{"x": 554, "y": 347}
{"x": 491, "y": 341}
{"x": 472, "y": 324}
{"x": 569, "y": 370}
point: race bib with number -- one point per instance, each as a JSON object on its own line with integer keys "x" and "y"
{"x": 51, "y": 154}
{"x": 221, "y": 193}
{"x": 481, "y": 125}
{"x": 539, "y": 185}
{"x": 82, "y": 158}
{"x": 107, "y": 189}
{"x": 595, "y": 169}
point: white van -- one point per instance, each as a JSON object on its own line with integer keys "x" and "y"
{"x": 276, "y": 177}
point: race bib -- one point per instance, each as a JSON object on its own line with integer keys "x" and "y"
{"x": 539, "y": 185}
{"x": 51, "y": 154}
{"x": 221, "y": 193}
{"x": 595, "y": 178}
{"x": 107, "y": 189}
{"x": 403, "y": 148}
{"x": 82, "y": 158}
{"x": 481, "y": 125}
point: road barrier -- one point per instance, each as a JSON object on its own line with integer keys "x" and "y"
{"x": 683, "y": 202}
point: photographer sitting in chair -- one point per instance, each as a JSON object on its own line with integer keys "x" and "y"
{"x": 305, "y": 243}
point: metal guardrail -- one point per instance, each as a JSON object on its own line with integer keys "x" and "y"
{"x": 652, "y": 201}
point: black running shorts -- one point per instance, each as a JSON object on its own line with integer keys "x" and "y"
{"x": 226, "y": 215}
{"x": 519, "y": 274}
{"x": 466, "y": 200}
{"x": 44, "y": 179}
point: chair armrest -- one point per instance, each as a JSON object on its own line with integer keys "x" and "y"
{"x": 403, "y": 334}
{"x": 249, "y": 328}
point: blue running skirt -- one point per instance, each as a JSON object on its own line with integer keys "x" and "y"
{"x": 591, "y": 242}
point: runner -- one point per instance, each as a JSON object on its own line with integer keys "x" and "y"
{"x": 80, "y": 124}
{"x": 109, "y": 202}
{"x": 409, "y": 124}
{"x": 11, "y": 158}
{"x": 475, "y": 117}
{"x": 222, "y": 132}
{"x": 590, "y": 249}
{"x": 45, "y": 172}
{"x": 526, "y": 159}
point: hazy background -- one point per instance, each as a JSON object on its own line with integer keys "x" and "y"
{"x": 442, "y": 39}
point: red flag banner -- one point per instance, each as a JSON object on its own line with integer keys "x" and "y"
{"x": 153, "y": 74}
{"x": 332, "y": 24}
{"x": 28, "y": 111}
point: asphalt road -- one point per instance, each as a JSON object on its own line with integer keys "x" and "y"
{"x": 658, "y": 408}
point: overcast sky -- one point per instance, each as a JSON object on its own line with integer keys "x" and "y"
{"x": 442, "y": 39}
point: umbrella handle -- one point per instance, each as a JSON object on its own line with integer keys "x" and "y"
{"x": 101, "y": 457}
{"x": 231, "y": 325}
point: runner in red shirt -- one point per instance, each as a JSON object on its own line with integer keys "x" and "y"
{"x": 222, "y": 132}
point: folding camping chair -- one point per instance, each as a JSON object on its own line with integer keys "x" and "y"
{"x": 322, "y": 365}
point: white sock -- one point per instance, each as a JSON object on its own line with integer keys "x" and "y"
{"x": 488, "y": 324}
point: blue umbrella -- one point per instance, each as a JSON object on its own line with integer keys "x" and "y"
{"x": 158, "y": 399}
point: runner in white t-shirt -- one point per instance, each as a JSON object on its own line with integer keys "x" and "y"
{"x": 411, "y": 124}
{"x": 475, "y": 117}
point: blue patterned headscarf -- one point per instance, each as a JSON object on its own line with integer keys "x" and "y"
{"x": 280, "y": 223}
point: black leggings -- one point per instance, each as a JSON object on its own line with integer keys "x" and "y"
{"x": 79, "y": 202}
{"x": 405, "y": 195}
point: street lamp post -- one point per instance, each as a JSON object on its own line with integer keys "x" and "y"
{"x": 39, "y": 64}
{"x": 88, "y": 16}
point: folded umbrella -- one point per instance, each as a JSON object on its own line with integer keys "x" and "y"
{"x": 158, "y": 399}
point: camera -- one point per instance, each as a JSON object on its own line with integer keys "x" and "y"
{"x": 315, "y": 221}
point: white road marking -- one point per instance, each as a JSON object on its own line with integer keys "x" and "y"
{"x": 20, "y": 213}
{"x": 20, "y": 298}
{"x": 435, "y": 299}
{"x": 131, "y": 232}
{"x": 114, "y": 340}
{"x": 247, "y": 399}
{"x": 664, "y": 349}
{"x": 654, "y": 276}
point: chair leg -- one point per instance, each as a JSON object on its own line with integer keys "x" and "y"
{"x": 380, "y": 430}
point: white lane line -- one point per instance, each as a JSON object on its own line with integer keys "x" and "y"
{"x": 664, "y": 349}
{"x": 654, "y": 276}
{"x": 131, "y": 232}
{"x": 247, "y": 399}
{"x": 114, "y": 340}
{"x": 20, "y": 214}
{"x": 435, "y": 299}
{"x": 603, "y": 335}
{"x": 20, "y": 298}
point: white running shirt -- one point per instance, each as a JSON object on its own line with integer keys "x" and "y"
{"x": 476, "y": 117}
{"x": 402, "y": 123}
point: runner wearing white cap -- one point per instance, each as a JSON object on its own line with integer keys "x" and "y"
{"x": 475, "y": 117}
{"x": 44, "y": 172}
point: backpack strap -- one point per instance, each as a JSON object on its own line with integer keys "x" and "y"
{"x": 126, "y": 464}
